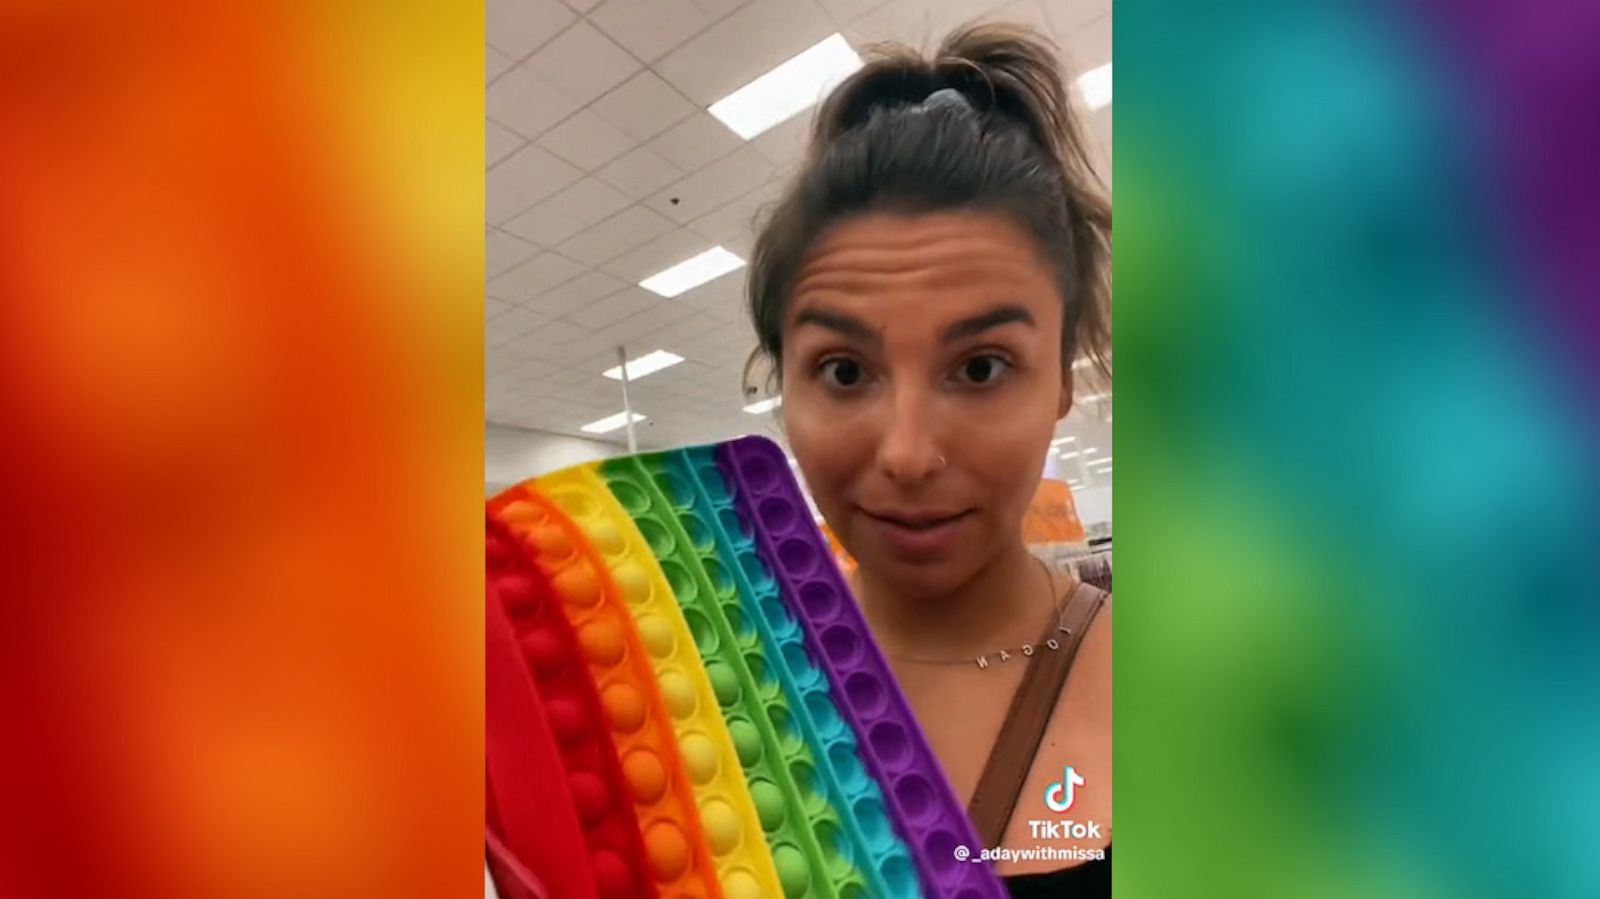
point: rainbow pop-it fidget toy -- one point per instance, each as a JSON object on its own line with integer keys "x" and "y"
{"x": 711, "y": 715}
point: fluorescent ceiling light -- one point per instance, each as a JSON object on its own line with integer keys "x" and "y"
{"x": 1060, "y": 440}
{"x": 1095, "y": 86}
{"x": 1094, "y": 398}
{"x": 1104, "y": 460}
{"x": 793, "y": 86}
{"x": 691, "y": 273}
{"x": 1074, "y": 482}
{"x": 764, "y": 406}
{"x": 1071, "y": 455}
{"x": 1103, "y": 471}
{"x": 610, "y": 423}
{"x": 648, "y": 364}
{"x": 1090, "y": 451}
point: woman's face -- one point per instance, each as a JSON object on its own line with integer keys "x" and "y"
{"x": 922, "y": 380}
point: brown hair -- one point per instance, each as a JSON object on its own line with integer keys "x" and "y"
{"x": 983, "y": 124}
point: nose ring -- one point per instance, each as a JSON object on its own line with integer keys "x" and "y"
{"x": 942, "y": 462}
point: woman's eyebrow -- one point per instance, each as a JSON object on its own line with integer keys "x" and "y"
{"x": 844, "y": 324}
{"x": 994, "y": 318}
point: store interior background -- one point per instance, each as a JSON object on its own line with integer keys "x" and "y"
{"x": 605, "y": 167}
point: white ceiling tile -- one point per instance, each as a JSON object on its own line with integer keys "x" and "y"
{"x": 568, "y": 212}
{"x": 514, "y": 323}
{"x": 907, "y": 22}
{"x": 746, "y": 44}
{"x": 643, "y": 106}
{"x": 614, "y": 308}
{"x": 649, "y": 28}
{"x": 696, "y": 142}
{"x": 741, "y": 244}
{"x": 719, "y": 301}
{"x": 642, "y": 325}
{"x": 586, "y": 140}
{"x": 726, "y": 179}
{"x": 846, "y": 11}
{"x": 785, "y": 145}
{"x": 582, "y": 63}
{"x": 517, "y": 27}
{"x": 523, "y": 179}
{"x": 737, "y": 216}
{"x": 539, "y": 274}
{"x": 1088, "y": 46}
{"x": 640, "y": 173}
{"x": 1068, "y": 17}
{"x": 495, "y": 64}
{"x": 666, "y": 250}
{"x": 616, "y": 235}
{"x": 503, "y": 251}
{"x": 673, "y": 335}
{"x": 499, "y": 142}
{"x": 719, "y": 8}
{"x": 556, "y": 340}
{"x": 577, "y": 293}
{"x": 523, "y": 102}
{"x": 493, "y": 307}
{"x": 583, "y": 5}
{"x": 921, "y": 24}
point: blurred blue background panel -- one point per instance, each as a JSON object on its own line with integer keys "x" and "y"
{"x": 1360, "y": 641}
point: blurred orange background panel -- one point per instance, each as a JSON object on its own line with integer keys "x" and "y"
{"x": 240, "y": 309}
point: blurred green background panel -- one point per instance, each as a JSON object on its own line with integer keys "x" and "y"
{"x": 1358, "y": 643}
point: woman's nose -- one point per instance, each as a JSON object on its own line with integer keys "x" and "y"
{"x": 908, "y": 447}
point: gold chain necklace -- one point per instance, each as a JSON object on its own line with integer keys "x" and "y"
{"x": 1026, "y": 650}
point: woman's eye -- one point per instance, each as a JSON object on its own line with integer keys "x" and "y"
{"x": 842, "y": 372}
{"x": 983, "y": 369}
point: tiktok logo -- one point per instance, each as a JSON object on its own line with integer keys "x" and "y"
{"x": 1060, "y": 796}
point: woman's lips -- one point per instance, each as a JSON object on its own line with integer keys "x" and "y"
{"x": 918, "y": 536}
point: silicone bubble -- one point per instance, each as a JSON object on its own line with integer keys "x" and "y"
{"x": 554, "y": 656}
{"x": 890, "y": 742}
{"x": 534, "y": 817}
{"x": 655, "y": 586}
{"x": 779, "y": 660}
{"x": 726, "y": 662}
{"x": 638, "y": 771}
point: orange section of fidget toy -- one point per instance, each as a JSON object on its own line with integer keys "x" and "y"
{"x": 646, "y": 747}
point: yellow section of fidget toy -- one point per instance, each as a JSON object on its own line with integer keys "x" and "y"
{"x": 745, "y": 868}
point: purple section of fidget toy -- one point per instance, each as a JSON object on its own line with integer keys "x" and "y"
{"x": 978, "y": 878}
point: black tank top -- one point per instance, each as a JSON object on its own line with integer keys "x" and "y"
{"x": 1090, "y": 880}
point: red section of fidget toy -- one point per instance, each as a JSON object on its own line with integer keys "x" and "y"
{"x": 677, "y": 805}
{"x": 589, "y": 759}
{"x": 531, "y": 810}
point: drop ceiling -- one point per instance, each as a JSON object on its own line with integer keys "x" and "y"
{"x": 604, "y": 168}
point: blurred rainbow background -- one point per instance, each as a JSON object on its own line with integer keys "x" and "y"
{"x": 241, "y": 268}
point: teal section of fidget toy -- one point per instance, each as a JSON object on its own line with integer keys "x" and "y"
{"x": 686, "y": 551}
{"x": 868, "y": 836}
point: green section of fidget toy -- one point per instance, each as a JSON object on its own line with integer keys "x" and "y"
{"x": 803, "y": 871}
{"x": 871, "y": 842}
{"x": 814, "y": 777}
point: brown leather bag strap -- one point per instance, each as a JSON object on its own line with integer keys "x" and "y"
{"x": 1018, "y": 742}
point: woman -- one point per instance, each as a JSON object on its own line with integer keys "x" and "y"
{"x": 921, "y": 291}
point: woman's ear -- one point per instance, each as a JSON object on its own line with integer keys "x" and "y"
{"x": 1064, "y": 404}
